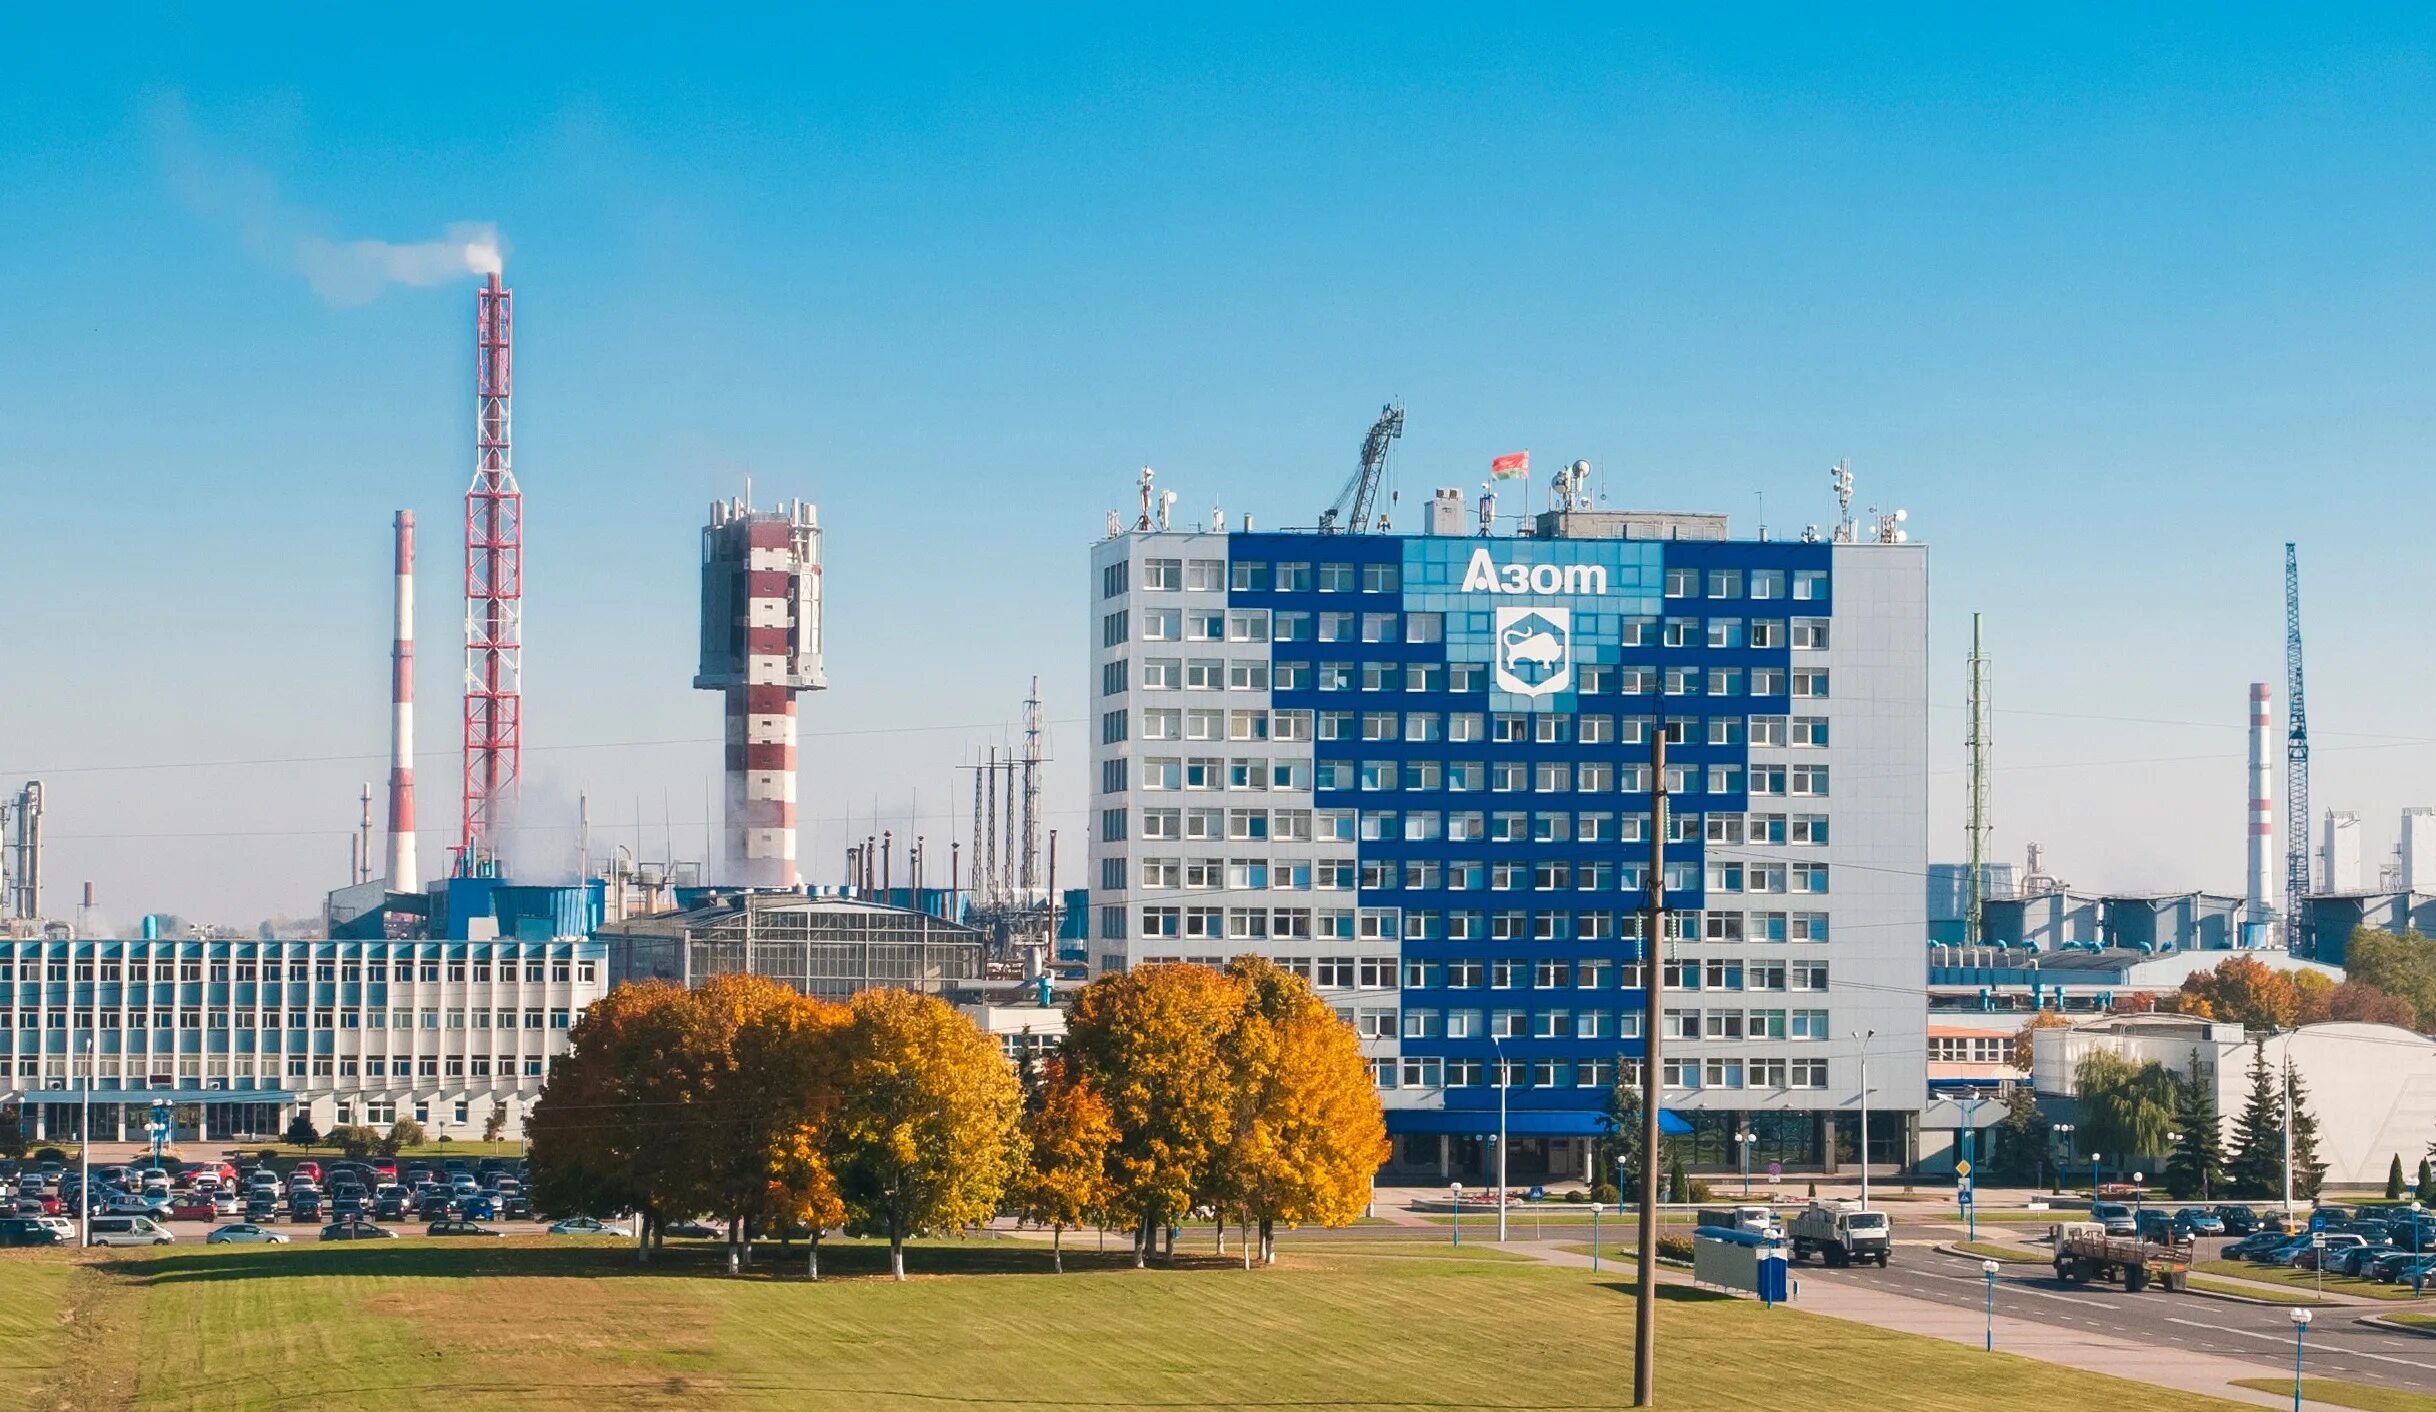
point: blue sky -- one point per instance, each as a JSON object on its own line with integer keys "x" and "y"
{"x": 2112, "y": 305}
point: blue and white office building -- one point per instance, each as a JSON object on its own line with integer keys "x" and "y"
{"x": 1415, "y": 768}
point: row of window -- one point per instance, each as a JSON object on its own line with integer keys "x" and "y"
{"x": 1422, "y": 924}
{"x": 1380, "y": 875}
{"x": 343, "y": 973}
{"x": 1212, "y": 825}
{"x": 322, "y": 1018}
{"x": 1804, "y": 1025}
{"x": 1255, "y": 576}
{"x": 1457, "y": 678}
{"x": 1432, "y": 1073}
{"x": 1215, "y": 773}
{"x": 1423, "y": 628}
{"x": 1970, "y": 1049}
{"x": 55, "y": 1071}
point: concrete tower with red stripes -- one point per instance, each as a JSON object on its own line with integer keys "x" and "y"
{"x": 761, "y": 644}
{"x": 2262, "y": 810}
{"x": 405, "y": 874}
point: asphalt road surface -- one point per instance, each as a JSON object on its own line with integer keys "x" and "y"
{"x": 2338, "y": 1346}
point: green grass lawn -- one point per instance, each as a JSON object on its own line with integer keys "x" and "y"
{"x": 2364, "y": 1396}
{"x": 2301, "y": 1279}
{"x": 1343, "y": 1324}
{"x": 2417, "y": 1321}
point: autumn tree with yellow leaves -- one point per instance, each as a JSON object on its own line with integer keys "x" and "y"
{"x": 1068, "y": 1130}
{"x": 927, "y": 1132}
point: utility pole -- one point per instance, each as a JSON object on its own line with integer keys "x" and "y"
{"x": 1974, "y": 884}
{"x": 1645, "y": 1297}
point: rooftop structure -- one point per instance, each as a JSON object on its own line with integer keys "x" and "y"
{"x": 828, "y": 947}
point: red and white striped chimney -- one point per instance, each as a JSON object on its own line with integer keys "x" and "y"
{"x": 404, "y": 875}
{"x": 2262, "y": 810}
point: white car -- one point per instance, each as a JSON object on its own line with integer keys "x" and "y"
{"x": 61, "y": 1226}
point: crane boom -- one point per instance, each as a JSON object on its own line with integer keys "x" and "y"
{"x": 2296, "y": 754}
{"x": 1354, "y": 504}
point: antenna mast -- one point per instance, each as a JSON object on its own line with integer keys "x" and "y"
{"x": 2296, "y": 752}
{"x": 1352, "y": 510}
{"x": 1974, "y": 884}
{"x": 1031, "y": 790}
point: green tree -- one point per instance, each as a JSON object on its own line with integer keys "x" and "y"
{"x": 301, "y": 1132}
{"x": 1621, "y": 1121}
{"x": 2023, "y": 1141}
{"x": 2196, "y": 1168}
{"x": 2126, "y": 1108}
{"x": 355, "y": 1140}
{"x": 495, "y": 1126}
{"x": 2403, "y": 966}
{"x": 2308, "y": 1173}
{"x": 2257, "y": 1166}
{"x": 926, "y": 1136}
{"x": 2427, "y": 1181}
{"x": 2393, "y": 1179}
{"x": 404, "y": 1133}
{"x": 13, "y": 1141}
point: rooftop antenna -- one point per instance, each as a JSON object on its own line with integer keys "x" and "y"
{"x": 1840, "y": 475}
{"x": 1488, "y": 509}
{"x": 1217, "y": 520}
{"x": 1144, "y": 523}
{"x": 1167, "y": 502}
{"x": 1974, "y": 885}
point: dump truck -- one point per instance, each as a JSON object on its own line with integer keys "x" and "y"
{"x": 1840, "y": 1232}
{"x": 2084, "y": 1251}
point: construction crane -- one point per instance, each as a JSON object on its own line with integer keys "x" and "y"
{"x": 2296, "y": 754}
{"x": 1361, "y": 494}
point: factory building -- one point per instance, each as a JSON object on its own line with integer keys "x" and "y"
{"x": 237, "y": 1035}
{"x": 828, "y": 947}
{"x": 761, "y": 644}
{"x": 1416, "y": 770}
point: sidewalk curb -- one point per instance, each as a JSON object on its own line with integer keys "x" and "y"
{"x": 2379, "y": 1321}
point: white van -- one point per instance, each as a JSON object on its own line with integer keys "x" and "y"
{"x": 130, "y": 1230}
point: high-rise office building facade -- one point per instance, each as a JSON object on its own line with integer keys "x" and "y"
{"x": 1416, "y": 769}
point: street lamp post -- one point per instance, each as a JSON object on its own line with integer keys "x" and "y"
{"x": 2063, "y": 1134}
{"x": 2138, "y": 1195}
{"x": 2094, "y": 1183}
{"x": 1744, "y": 1139}
{"x": 1864, "y": 1036}
{"x": 1457, "y": 1188}
{"x": 2419, "y": 1276}
{"x": 2300, "y": 1337}
{"x": 1594, "y": 1235}
{"x": 1498, "y": 1047}
{"x": 84, "y": 1154}
{"x": 1988, "y": 1268}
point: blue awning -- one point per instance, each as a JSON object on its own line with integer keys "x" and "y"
{"x": 213, "y": 1097}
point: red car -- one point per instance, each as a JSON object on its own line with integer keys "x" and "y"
{"x": 193, "y": 1208}
{"x": 309, "y": 1170}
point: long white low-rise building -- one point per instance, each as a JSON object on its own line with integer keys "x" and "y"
{"x": 236, "y": 1036}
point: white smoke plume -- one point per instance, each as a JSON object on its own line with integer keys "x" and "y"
{"x": 245, "y": 199}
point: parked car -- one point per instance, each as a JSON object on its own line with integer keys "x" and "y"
{"x": 2199, "y": 1221}
{"x": 389, "y": 1203}
{"x": 2312, "y": 1256}
{"x": 308, "y": 1170}
{"x": 691, "y": 1230}
{"x": 130, "y": 1230}
{"x": 585, "y": 1225}
{"x": 478, "y": 1207}
{"x": 2280, "y": 1250}
{"x": 2115, "y": 1216}
{"x": 2412, "y": 1269}
{"x": 2255, "y": 1241}
{"x": 192, "y": 1208}
{"x": 357, "y": 1230}
{"x": 459, "y": 1228}
{"x": 65, "y": 1227}
{"x": 516, "y": 1206}
{"x": 304, "y": 1206}
{"x": 244, "y": 1233}
{"x": 26, "y": 1230}
{"x": 434, "y": 1206}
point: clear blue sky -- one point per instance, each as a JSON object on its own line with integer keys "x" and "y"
{"x": 2112, "y": 305}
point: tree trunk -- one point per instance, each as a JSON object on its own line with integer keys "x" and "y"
{"x": 813, "y": 1245}
{"x": 642, "y": 1237}
{"x": 1221, "y": 1233}
{"x": 732, "y": 1229}
{"x": 896, "y": 1249}
{"x": 1141, "y": 1241}
{"x": 1168, "y": 1231}
{"x": 1268, "y": 1241}
{"x": 1057, "y": 1246}
{"x": 1246, "y": 1242}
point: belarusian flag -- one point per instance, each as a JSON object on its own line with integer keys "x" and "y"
{"x": 1514, "y": 467}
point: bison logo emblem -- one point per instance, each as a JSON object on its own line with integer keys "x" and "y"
{"x": 1534, "y": 650}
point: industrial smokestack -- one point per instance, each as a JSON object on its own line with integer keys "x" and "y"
{"x": 2262, "y": 810}
{"x": 404, "y": 875}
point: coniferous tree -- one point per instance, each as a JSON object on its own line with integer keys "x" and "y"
{"x": 2257, "y": 1167}
{"x": 2196, "y": 1168}
{"x": 2307, "y": 1171}
{"x": 2393, "y": 1179}
{"x": 2427, "y": 1181}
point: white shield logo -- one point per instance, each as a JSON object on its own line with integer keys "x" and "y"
{"x": 1534, "y": 650}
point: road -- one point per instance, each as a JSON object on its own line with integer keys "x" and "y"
{"x": 2338, "y": 1346}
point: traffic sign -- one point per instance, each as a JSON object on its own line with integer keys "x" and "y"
{"x": 1963, "y": 1168}
{"x": 2317, "y": 1240}
{"x": 1963, "y": 1197}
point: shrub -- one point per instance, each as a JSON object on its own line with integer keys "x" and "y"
{"x": 403, "y": 1133}
{"x": 50, "y": 1154}
{"x": 1608, "y": 1194}
{"x": 301, "y": 1132}
{"x": 1675, "y": 1247}
{"x": 1576, "y": 1197}
{"x": 355, "y": 1139}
